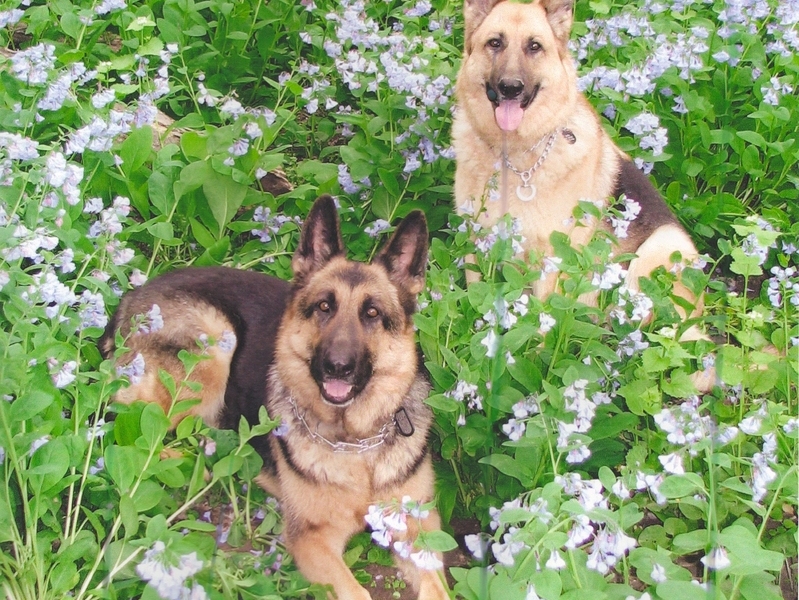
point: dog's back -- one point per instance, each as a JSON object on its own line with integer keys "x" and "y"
{"x": 230, "y": 315}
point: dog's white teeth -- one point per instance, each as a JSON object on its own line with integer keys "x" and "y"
{"x": 509, "y": 115}
{"x": 337, "y": 389}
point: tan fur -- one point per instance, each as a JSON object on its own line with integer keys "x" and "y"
{"x": 324, "y": 510}
{"x": 585, "y": 167}
{"x": 184, "y": 322}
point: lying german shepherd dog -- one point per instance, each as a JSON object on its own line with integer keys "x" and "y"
{"x": 529, "y": 144}
{"x": 333, "y": 355}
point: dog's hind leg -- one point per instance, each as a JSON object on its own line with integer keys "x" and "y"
{"x": 656, "y": 252}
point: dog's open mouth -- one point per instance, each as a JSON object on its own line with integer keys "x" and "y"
{"x": 509, "y": 112}
{"x": 337, "y": 391}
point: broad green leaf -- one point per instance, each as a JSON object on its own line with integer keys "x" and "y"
{"x": 135, "y": 150}
{"x": 30, "y": 405}
{"x": 509, "y": 466}
{"x": 679, "y": 486}
{"x": 224, "y": 197}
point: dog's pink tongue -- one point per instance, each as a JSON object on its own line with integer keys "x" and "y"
{"x": 337, "y": 389}
{"x": 509, "y": 115}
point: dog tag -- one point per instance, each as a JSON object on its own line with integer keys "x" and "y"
{"x": 569, "y": 135}
{"x": 526, "y": 192}
{"x": 403, "y": 423}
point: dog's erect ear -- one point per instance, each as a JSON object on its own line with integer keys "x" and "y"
{"x": 405, "y": 255}
{"x": 474, "y": 13}
{"x": 560, "y": 14}
{"x": 320, "y": 240}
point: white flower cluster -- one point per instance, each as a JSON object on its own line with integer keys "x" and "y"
{"x": 621, "y": 220}
{"x": 609, "y": 545}
{"x": 652, "y": 136}
{"x": 345, "y": 181}
{"x": 466, "y": 393}
{"x": 389, "y": 521}
{"x": 134, "y": 370}
{"x": 783, "y": 283}
{"x": 33, "y": 64}
{"x": 272, "y": 223}
{"x": 505, "y": 314}
{"x": 522, "y": 410}
{"x": 633, "y": 307}
{"x": 400, "y": 65}
{"x": 755, "y": 246}
{"x": 577, "y": 401}
{"x": 169, "y": 580}
{"x": 684, "y": 424}
{"x": 501, "y": 231}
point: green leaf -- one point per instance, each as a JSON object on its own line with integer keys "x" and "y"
{"x": 135, "y": 150}
{"x": 156, "y": 528}
{"x": 509, "y": 466}
{"x": 547, "y": 584}
{"x": 129, "y": 515}
{"x": 147, "y": 496}
{"x": 681, "y": 590}
{"x": 643, "y": 397}
{"x": 49, "y": 464}
{"x": 753, "y": 138}
{"x": 227, "y": 466}
{"x": 390, "y": 181}
{"x": 192, "y": 177}
{"x": 224, "y": 197}
{"x": 201, "y": 234}
{"x": 691, "y": 541}
{"x": 161, "y": 230}
{"x": 442, "y": 403}
{"x": 527, "y": 373}
{"x": 162, "y": 195}
{"x": 154, "y": 424}
{"x": 30, "y": 405}
{"x": 679, "y": 486}
{"x": 436, "y": 540}
{"x": 124, "y": 464}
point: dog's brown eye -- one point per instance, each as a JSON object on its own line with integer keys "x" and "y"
{"x": 324, "y": 306}
{"x": 533, "y": 46}
{"x": 372, "y": 312}
{"x": 495, "y": 43}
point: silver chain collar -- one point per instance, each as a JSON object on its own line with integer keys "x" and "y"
{"x": 358, "y": 447}
{"x": 527, "y": 191}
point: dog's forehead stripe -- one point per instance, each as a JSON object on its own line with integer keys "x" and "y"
{"x": 354, "y": 274}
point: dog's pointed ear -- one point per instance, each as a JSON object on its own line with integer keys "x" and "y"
{"x": 474, "y": 13}
{"x": 560, "y": 14}
{"x": 320, "y": 239}
{"x": 405, "y": 255}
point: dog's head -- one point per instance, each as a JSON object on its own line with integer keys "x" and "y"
{"x": 516, "y": 60}
{"x": 351, "y": 323}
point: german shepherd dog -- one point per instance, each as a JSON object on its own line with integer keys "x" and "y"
{"x": 333, "y": 356}
{"x": 529, "y": 144}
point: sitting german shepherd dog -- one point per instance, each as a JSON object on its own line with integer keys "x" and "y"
{"x": 333, "y": 355}
{"x": 529, "y": 144}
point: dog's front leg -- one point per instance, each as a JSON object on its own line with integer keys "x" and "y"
{"x": 426, "y": 573}
{"x": 317, "y": 550}
{"x": 427, "y": 579}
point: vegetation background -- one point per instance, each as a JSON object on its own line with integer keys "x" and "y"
{"x": 139, "y": 137}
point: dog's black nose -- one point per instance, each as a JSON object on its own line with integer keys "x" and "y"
{"x": 339, "y": 365}
{"x": 511, "y": 88}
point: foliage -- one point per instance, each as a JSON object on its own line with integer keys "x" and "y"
{"x": 574, "y": 434}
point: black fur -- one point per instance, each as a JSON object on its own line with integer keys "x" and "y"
{"x": 655, "y": 213}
